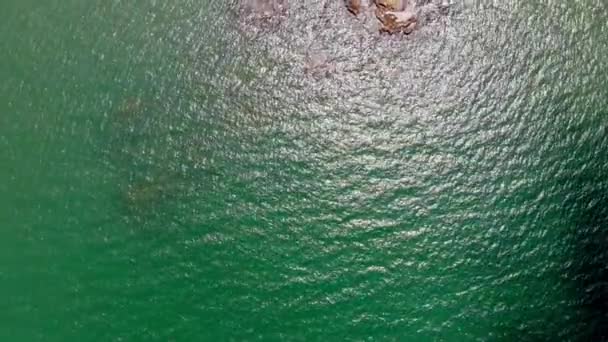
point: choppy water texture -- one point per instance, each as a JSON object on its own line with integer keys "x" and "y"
{"x": 181, "y": 170}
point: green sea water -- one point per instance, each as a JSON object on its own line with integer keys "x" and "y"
{"x": 178, "y": 171}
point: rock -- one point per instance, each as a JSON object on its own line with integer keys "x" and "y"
{"x": 354, "y": 6}
{"x": 397, "y": 21}
{"x": 391, "y": 5}
{"x": 396, "y": 16}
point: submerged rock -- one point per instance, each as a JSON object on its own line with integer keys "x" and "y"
{"x": 263, "y": 9}
{"x": 318, "y": 65}
{"x": 149, "y": 192}
{"x": 143, "y": 194}
{"x": 259, "y": 16}
{"x": 129, "y": 108}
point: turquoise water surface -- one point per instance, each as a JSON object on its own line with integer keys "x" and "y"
{"x": 180, "y": 170}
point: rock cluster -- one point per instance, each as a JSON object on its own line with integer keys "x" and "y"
{"x": 393, "y": 16}
{"x": 396, "y": 16}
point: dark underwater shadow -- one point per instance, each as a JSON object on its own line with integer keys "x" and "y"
{"x": 583, "y": 225}
{"x": 589, "y": 270}
{"x": 585, "y": 214}
{"x": 584, "y": 277}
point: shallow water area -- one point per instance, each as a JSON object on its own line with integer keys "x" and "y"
{"x": 190, "y": 170}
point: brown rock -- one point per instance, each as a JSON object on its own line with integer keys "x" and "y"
{"x": 353, "y": 6}
{"x": 396, "y": 21}
{"x": 391, "y": 5}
